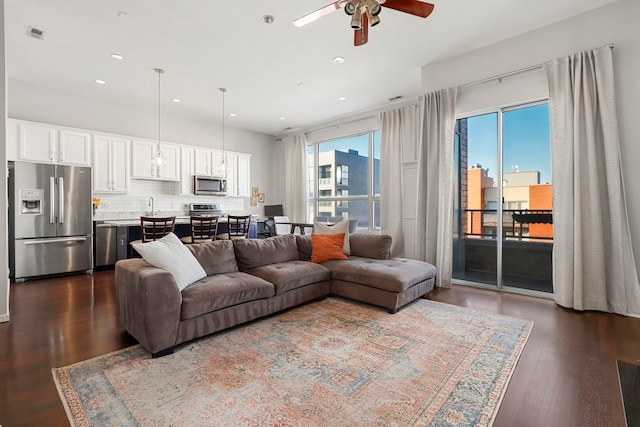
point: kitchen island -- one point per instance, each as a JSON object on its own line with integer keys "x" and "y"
{"x": 128, "y": 230}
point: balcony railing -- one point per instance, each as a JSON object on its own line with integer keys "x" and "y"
{"x": 516, "y": 224}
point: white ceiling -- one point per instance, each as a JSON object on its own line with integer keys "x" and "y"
{"x": 270, "y": 71}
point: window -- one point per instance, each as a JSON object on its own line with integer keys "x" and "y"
{"x": 354, "y": 162}
{"x": 342, "y": 174}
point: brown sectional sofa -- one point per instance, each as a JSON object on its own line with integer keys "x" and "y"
{"x": 249, "y": 279}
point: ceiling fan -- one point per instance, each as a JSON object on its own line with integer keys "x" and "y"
{"x": 365, "y": 12}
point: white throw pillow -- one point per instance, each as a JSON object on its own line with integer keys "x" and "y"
{"x": 170, "y": 254}
{"x": 338, "y": 227}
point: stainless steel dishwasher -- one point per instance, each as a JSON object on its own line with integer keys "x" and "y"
{"x": 105, "y": 244}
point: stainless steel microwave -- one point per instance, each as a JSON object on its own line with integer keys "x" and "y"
{"x": 210, "y": 186}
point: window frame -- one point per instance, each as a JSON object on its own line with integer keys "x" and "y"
{"x": 317, "y": 201}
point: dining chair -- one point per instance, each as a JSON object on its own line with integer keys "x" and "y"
{"x": 204, "y": 229}
{"x": 237, "y": 226}
{"x": 269, "y": 228}
{"x": 283, "y": 225}
{"x": 153, "y": 228}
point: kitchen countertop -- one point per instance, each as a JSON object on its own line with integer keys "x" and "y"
{"x": 133, "y": 222}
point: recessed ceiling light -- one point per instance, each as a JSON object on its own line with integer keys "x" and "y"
{"x": 176, "y": 100}
{"x": 101, "y": 82}
{"x": 283, "y": 118}
{"x": 232, "y": 114}
{"x": 342, "y": 98}
{"x": 268, "y": 19}
{"x": 117, "y": 56}
{"x": 338, "y": 60}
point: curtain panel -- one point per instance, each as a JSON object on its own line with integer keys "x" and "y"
{"x": 396, "y": 127}
{"x": 435, "y": 187}
{"x": 295, "y": 177}
{"x": 593, "y": 264}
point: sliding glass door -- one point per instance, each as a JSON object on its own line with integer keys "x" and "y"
{"x": 504, "y": 224}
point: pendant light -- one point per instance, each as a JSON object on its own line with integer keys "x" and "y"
{"x": 158, "y": 161}
{"x": 223, "y": 168}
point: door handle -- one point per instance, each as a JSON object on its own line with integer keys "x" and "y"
{"x": 52, "y": 200}
{"x": 64, "y": 240}
{"x": 61, "y": 195}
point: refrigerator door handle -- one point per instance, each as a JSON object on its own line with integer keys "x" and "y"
{"x": 61, "y": 195}
{"x": 63, "y": 240}
{"x": 52, "y": 200}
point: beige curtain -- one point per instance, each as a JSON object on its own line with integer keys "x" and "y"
{"x": 435, "y": 174}
{"x": 593, "y": 265}
{"x": 295, "y": 177}
{"x": 396, "y": 127}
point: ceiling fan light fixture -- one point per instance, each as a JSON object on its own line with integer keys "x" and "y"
{"x": 374, "y": 20}
{"x": 356, "y": 19}
{"x": 350, "y": 7}
{"x": 373, "y": 7}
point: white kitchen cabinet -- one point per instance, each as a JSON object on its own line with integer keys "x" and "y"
{"x": 239, "y": 175}
{"x": 187, "y": 167}
{"x": 143, "y": 160}
{"x": 203, "y": 162}
{"x": 110, "y": 164}
{"x": 74, "y": 148}
{"x": 243, "y": 173}
{"x": 50, "y": 144}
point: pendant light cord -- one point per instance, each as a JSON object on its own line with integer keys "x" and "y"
{"x": 159, "y": 71}
{"x": 223, "y": 90}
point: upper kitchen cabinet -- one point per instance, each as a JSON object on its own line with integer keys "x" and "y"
{"x": 110, "y": 164}
{"x": 239, "y": 175}
{"x": 187, "y": 163}
{"x": 47, "y": 144}
{"x": 144, "y": 162}
{"x": 203, "y": 162}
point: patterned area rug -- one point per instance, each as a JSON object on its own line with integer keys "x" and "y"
{"x": 328, "y": 363}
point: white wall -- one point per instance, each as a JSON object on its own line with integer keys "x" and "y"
{"x": 616, "y": 23}
{"x": 4, "y": 260}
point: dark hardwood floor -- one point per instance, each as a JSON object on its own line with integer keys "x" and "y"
{"x": 566, "y": 375}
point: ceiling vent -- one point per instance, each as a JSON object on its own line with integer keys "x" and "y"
{"x": 395, "y": 98}
{"x": 35, "y": 33}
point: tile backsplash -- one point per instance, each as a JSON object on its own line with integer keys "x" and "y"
{"x": 166, "y": 201}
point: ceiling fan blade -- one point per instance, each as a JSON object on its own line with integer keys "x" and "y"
{"x": 361, "y": 36}
{"x": 323, "y": 11}
{"x": 412, "y": 7}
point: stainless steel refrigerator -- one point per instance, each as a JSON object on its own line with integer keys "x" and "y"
{"x": 50, "y": 220}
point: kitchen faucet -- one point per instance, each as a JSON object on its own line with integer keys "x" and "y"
{"x": 151, "y": 204}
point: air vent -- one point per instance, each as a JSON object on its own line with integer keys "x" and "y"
{"x": 35, "y": 33}
{"x": 395, "y": 98}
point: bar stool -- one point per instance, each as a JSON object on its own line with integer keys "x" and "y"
{"x": 153, "y": 228}
{"x": 238, "y": 227}
{"x": 203, "y": 229}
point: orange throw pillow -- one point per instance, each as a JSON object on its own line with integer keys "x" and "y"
{"x": 327, "y": 246}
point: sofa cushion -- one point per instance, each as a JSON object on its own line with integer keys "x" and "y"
{"x": 376, "y": 246}
{"x": 304, "y": 246}
{"x": 222, "y": 290}
{"x": 393, "y": 275}
{"x": 169, "y": 254}
{"x": 287, "y": 276}
{"x": 217, "y": 257}
{"x": 337, "y": 228}
{"x": 252, "y": 253}
{"x": 325, "y": 247}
